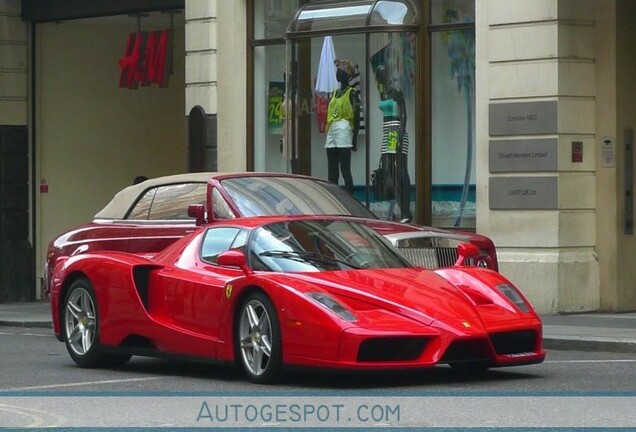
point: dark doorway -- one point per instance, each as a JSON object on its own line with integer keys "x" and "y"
{"x": 202, "y": 142}
{"x": 16, "y": 263}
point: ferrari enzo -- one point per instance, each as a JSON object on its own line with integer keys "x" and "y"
{"x": 271, "y": 292}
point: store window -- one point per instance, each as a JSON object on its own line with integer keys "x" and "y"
{"x": 452, "y": 34}
{"x": 270, "y": 21}
{"x": 350, "y": 100}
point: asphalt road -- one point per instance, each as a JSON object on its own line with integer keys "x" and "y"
{"x": 32, "y": 360}
{"x": 41, "y": 386}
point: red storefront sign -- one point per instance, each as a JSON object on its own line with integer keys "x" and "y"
{"x": 147, "y": 60}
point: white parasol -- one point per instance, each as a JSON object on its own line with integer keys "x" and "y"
{"x": 326, "y": 81}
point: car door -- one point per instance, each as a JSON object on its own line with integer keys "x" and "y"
{"x": 193, "y": 289}
{"x": 160, "y": 216}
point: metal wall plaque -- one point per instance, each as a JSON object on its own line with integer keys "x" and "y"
{"x": 522, "y": 118}
{"x": 528, "y": 155}
{"x": 511, "y": 193}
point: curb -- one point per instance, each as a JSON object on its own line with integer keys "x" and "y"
{"x": 589, "y": 344}
{"x": 32, "y": 324}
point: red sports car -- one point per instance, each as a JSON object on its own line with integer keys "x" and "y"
{"x": 149, "y": 216}
{"x": 270, "y": 292}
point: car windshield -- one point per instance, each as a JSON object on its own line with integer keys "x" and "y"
{"x": 320, "y": 245}
{"x": 263, "y": 196}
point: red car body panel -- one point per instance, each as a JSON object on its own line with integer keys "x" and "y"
{"x": 188, "y": 307}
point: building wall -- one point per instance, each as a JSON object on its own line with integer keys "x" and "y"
{"x": 16, "y": 252}
{"x": 533, "y": 51}
{"x": 92, "y": 137}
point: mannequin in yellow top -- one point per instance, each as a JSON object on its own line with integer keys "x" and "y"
{"x": 343, "y": 123}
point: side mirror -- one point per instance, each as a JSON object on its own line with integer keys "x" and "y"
{"x": 234, "y": 258}
{"x": 466, "y": 252}
{"x": 197, "y": 211}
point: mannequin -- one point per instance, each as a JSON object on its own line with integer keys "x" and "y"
{"x": 395, "y": 142}
{"x": 343, "y": 123}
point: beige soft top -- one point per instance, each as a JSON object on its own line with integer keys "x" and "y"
{"x": 121, "y": 202}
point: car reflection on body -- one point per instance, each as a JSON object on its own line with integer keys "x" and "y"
{"x": 149, "y": 216}
{"x": 276, "y": 291}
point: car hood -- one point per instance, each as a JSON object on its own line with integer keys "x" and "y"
{"x": 418, "y": 294}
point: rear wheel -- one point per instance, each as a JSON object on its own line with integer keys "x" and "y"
{"x": 81, "y": 327}
{"x": 258, "y": 341}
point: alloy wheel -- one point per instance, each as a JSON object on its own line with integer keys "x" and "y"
{"x": 80, "y": 321}
{"x": 255, "y": 337}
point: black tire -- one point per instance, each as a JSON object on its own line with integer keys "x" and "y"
{"x": 258, "y": 349}
{"x": 79, "y": 319}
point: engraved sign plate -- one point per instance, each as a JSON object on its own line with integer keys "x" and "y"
{"x": 524, "y": 193}
{"x": 528, "y": 155}
{"x": 522, "y": 118}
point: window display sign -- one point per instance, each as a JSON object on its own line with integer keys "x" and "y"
{"x": 275, "y": 107}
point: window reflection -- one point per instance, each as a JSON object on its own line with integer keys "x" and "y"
{"x": 283, "y": 195}
{"x": 391, "y": 12}
{"x": 323, "y": 245}
{"x": 453, "y": 128}
{"x": 339, "y": 17}
{"x": 216, "y": 241}
{"x": 452, "y": 11}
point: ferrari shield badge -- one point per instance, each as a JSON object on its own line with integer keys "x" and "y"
{"x": 466, "y": 324}
{"x": 228, "y": 290}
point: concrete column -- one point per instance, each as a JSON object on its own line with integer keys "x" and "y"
{"x": 621, "y": 296}
{"x": 216, "y": 73}
{"x": 534, "y": 55}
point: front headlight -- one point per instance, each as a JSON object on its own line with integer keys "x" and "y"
{"x": 333, "y": 305}
{"x": 513, "y": 295}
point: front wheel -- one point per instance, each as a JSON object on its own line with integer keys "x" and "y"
{"x": 258, "y": 339}
{"x": 81, "y": 327}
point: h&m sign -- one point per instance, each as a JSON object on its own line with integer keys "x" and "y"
{"x": 147, "y": 60}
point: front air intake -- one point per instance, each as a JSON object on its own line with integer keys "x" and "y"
{"x": 514, "y": 342}
{"x": 467, "y": 350}
{"x": 391, "y": 349}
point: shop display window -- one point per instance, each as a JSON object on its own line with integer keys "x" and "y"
{"x": 453, "y": 193}
{"x": 350, "y": 100}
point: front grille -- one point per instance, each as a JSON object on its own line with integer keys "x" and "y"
{"x": 446, "y": 256}
{"x": 515, "y": 342}
{"x": 467, "y": 350}
{"x": 430, "y": 258}
{"x": 391, "y": 349}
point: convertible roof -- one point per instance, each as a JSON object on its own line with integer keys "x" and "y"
{"x": 121, "y": 202}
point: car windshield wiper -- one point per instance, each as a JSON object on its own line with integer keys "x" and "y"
{"x": 305, "y": 257}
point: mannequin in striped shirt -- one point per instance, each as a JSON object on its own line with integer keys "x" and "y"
{"x": 395, "y": 142}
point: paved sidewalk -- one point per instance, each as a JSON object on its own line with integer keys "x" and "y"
{"x": 613, "y": 332}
